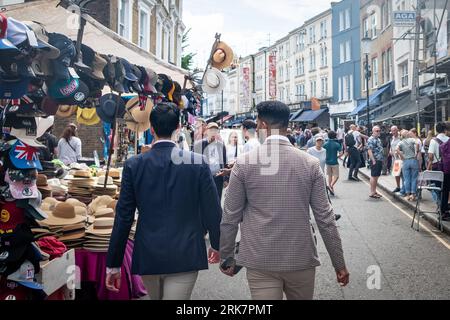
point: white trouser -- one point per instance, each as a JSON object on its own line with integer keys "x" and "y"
{"x": 177, "y": 286}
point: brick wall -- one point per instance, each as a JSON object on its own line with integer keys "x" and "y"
{"x": 113, "y": 12}
{"x": 101, "y": 11}
{"x": 89, "y": 135}
{"x": 153, "y": 31}
{"x": 135, "y": 28}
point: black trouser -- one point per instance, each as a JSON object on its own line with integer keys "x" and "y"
{"x": 219, "y": 186}
{"x": 355, "y": 161}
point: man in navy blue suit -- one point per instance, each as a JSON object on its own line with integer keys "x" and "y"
{"x": 177, "y": 204}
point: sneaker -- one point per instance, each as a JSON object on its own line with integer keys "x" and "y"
{"x": 396, "y": 190}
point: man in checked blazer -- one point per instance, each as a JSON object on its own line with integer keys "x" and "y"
{"x": 271, "y": 191}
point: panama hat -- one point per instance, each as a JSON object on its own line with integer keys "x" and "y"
{"x": 137, "y": 119}
{"x": 104, "y": 213}
{"x": 66, "y": 111}
{"x": 63, "y": 214}
{"x": 101, "y": 226}
{"x": 222, "y": 56}
{"x": 76, "y": 203}
{"x": 213, "y": 81}
{"x": 87, "y": 116}
{"x": 99, "y": 202}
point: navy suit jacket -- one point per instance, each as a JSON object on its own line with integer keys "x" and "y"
{"x": 177, "y": 202}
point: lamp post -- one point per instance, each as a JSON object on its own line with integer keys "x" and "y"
{"x": 366, "y": 46}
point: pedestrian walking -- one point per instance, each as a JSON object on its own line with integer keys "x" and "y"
{"x": 319, "y": 152}
{"x": 333, "y": 151}
{"x": 69, "y": 146}
{"x": 396, "y": 161}
{"x": 408, "y": 150}
{"x": 375, "y": 154}
{"x": 353, "y": 141}
{"x": 169, "y": 249}
{"x": 233, "y": 148}
{"x": 276, "y": 263}
{"x": 215, "y": 154}
{"x": 249, "y": 133}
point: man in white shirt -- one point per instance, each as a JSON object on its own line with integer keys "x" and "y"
{"x": 434, "y": 157}
{"x": 340, "y": 133}
{"x": 249, "y": 132}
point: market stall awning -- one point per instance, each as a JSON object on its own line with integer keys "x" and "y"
{"x": 309, "y": 115}
{"x": 100, "y": 38}
{"x": 410, "y": 108}
{"x": 374, "y": 99}
{"x": 392, "y": 108}
{"x": 295, "y": 114}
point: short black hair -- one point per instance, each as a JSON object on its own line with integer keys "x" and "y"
{"x": 332, "y": 134}
{"x": 276, "y": 113}
{"x": 165, "y": 118}
{"x": 440, "y": 127}
{"x": 249, "y": 124}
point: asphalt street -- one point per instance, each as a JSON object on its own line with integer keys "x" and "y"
{"x": 377, "y": 240}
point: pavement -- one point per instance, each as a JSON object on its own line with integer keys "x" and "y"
{"x": 387, "y": 184}
{"x": 385, "y": 257}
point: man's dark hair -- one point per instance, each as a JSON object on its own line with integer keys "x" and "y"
{"x": 315, "y": 130}
{"x": 165, "y": 118}
{"x": 332, "y": 134}
{"x": 275, "y": 113}
{"x": 249, "y": 124}
{"x": 440, "y": 127}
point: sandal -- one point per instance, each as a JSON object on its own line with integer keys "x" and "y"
{"x": 375, "y": 196}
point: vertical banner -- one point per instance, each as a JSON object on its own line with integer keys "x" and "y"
{"x": 246, "y": 86}
{"x": 273, "y": 76}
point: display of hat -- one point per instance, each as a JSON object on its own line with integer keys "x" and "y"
{"x": 106, "y": 110}
{"x": 72, "y": 91}
{"x": 24, "y": 156}
{"x": 87, "y": 116}
{"x": 25, "y": 276}
{"x": 137, "y": 119}
{"x": 22, "y": 189}
{"x": 49, "y": 105}
{"x": 42, "y": 38}
{"x": 104, "y": 213}
{"x": 150, "y": 81}
{"x": 14, "y": 88}
{"x": 76, "y": 203}
{"x": 222, "y": 56}
{"x": 213, "y": 81}
{"x": 66, "y": 111}
{"x": 114, "y": 173}
{"x": 67, "y": 54}
{"x": 63, "y": 214}
{"x": 10, "y": 216}
{"x": 100, "y": 202}
{"x": 43, "y": 124}
{"x": 164, "y": 84}
{"x": 129, "y": 75}
{"x": 101, "y": 226}
{"x": 82, "y": 174}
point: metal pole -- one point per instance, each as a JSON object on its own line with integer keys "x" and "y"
{"x": 222, "y": 109}
{"x": 435, "y": 65}
{"x": 416, "y": 84}
{"x": 369, "y": 126}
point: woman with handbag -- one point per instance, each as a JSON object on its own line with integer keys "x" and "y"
{"x": 69, "y": 146}
{"x": 408, "y": 149}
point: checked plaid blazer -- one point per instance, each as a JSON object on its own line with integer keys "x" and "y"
{"x": 273, "y": 208}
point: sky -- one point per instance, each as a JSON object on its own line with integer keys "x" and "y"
{"x": 245, "y": 25}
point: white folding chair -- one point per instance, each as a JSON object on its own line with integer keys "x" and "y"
{"x": 427, "y": 181}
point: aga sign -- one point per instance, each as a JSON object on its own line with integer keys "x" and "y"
{"x": 404, "y": 18}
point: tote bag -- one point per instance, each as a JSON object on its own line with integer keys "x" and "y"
{"x": 397, "y": 168}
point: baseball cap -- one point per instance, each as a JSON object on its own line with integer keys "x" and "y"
{"x": 25, "y": 276}
{"x": 10, "y": 217}
{"x": 25, "y": 189}
{"x": 319, "y": 137}
{"x": 72, "y": 91}
{"x": 212, "y": 125}
{"x": 13, "y": 89}
{"x": 24, "y": 156}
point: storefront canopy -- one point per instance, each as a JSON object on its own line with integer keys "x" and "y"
{"x": 295, "y": 114}
{"x": 97, "y": 36}
{"x": 309, "y": 115}
{"x": 374, "y": 99}
{"x": 404, "y": 107}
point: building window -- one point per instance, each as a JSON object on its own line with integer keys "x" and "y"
{"x": 124, "y": 24}
{"x": 365, "y": 28}
{"x": 302, "y": 40}
{"x": 323, "y": 56}
{"x": 346, "y": 88}
{"x": 342, "y": 52}
{"x": 389, "y": 65}
{"x": 323, "y": 30}
{"x": 384, "y": 66}
{"x": 288, "y": 50}
{"x": 324, "y": 87}
{"x": 374, "y": 72}
{"x": 404, "y": 74}
{"x": 297, "y": 66}
{"x": 312, "y": 60}
{"x": 340, "y": 89}
{"x": 347, "y": 19}
{"x": 341, "y": 21}
{"x": 288, "y": 71}
{"x": 373, "y": 25}
{"x": 313, "y": 88}
{"x": 259, "y": 82}
{"x": 159, "y": 40}
{"x": 348, "y": 52}
{"x": 312, "y": 34}
{"x": 144, "y": 29}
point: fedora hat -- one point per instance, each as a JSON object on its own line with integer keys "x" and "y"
{"x": 101, "y": 226}
{"x": 42, "y": 37}
{"x": 222, "y": 56}
{"x": 66, "y": 111}
{"x": 99, "y": 202}
{"x": 87, "y": 116}
{"x": 213, "y": 81}
{"x": 106, "y": 109}
{"x": 104, "y": 212}
{"x": 137, "y": 119}
{"x": 43, "y": 124}
{"x": 76, "y": 203}
{"x": 63, "y": 214}
{"x": 42, "y": 182}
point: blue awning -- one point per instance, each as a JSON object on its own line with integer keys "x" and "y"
{"x": 309, "y": 115}
{"x": 374, "y": 99}
{"x": 295, "y": 114}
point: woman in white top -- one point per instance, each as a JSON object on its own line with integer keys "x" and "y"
{"x": 69, "y": 146}
{"x": 233, "y": 148}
